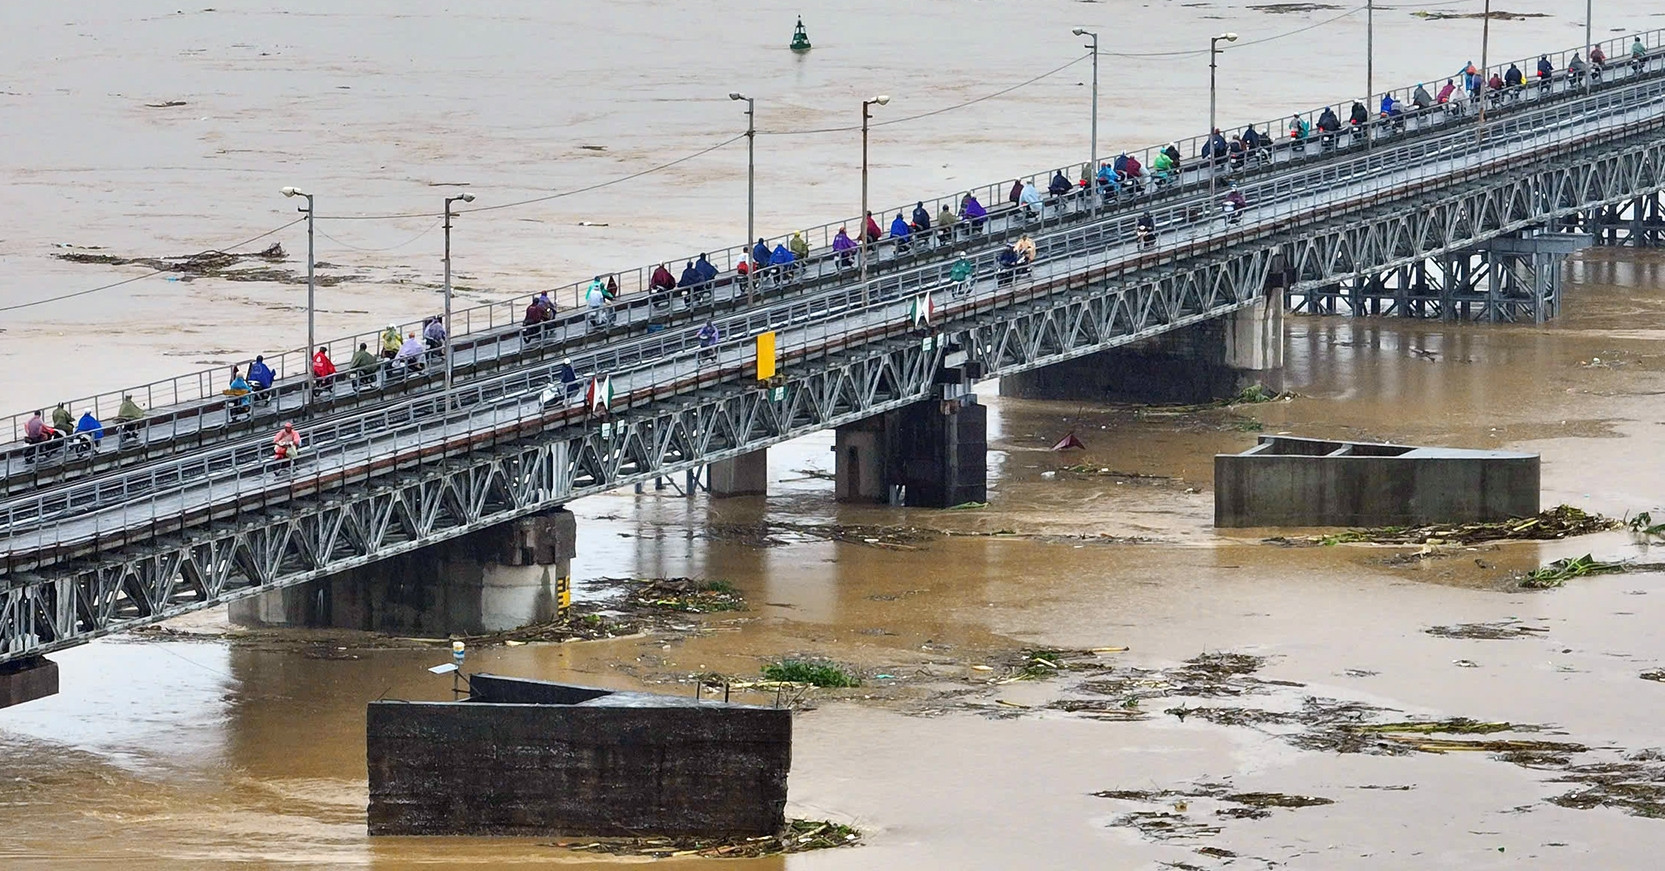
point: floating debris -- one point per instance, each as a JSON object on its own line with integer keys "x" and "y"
{"x": 1487, "y": 631}
{"x": 798, "y": 836}
{"x": 211, "y": 264}
{"x": 1495, "y": 16}
{"x": 1556, "y": 523}
{"x": 684, "y": 595}
{"x": 1562, "y": 570}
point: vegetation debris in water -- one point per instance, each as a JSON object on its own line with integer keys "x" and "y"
{"x": 1563, "y": 570}
{"x": 686, "y": 595}
{"x": 1487, "y": 631}
{"x": 798, "y": 836}
{"x": 1556, "y": 523}
{"x": 818, "y": 673}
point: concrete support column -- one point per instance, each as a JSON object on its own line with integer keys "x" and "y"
{"x": 25, "y": 680}
{"x": 939, "y": 452}
{"x": 1254, "y": 343}
{"x": 745, "y": 475}
{"x": 511, "y": 575}
{"x": 861, "y": 461}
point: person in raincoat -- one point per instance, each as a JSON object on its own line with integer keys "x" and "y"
{"x": 946, "y": 219}
{"x": 411, "y": 353}
{"x": 390, "y": 342}
{"x": 962, "y": 269}
{"x": 973, "y": 213}
{"x": 63, "y": 421}
{"x": 595, "y": 298}
{"x": 1421, "y": 99}
{"x": 870, "y": 230}
{"x": 760, "y": 253}
{"x": 844, "y": 248}
{"x": 1108, "y": 185}
{"x": 1059, "y": 186}
{"x": 260, "y": 374}
{"x": 690, "y": 277}
{"x": 798, "y": 246}
{"x": 287, "y": 443}
{"x": 780, "y": 263}
{"x": 365, "y": 364}
{"x": 129, "y": 410}
{"x": 91, "y": 427}
{"x": 921, "y": 220}
{"x": 1164, "y": 166}
{"x": 238, "y": 389}
{"x": 662, "y": 281}
{"x": 1031, "y": 200}
{"x": 434, "y": 332}
{"x": 129, "y": 419}
{"x": 900, "y": 232}
{"x": 322, "y": 368}
{"x": 708, "y": 273}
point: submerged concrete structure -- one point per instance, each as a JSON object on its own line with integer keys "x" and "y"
{"x": 25, "y": 680}
{"x": 528, "y": 757}
{"x": 1284, "y": 481}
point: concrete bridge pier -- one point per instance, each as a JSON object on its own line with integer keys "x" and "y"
{"x": 507, "y": 576}
{"x": 1214, "y": 359}
{"x": 745, "y": 475}
{"x": 931, "y": 454}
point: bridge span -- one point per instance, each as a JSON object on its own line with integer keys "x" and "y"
{"x": 1444, "y": 218}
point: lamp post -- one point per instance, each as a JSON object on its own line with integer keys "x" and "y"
{"x": 1589, "y": 65}
{"x": 1213, "y": 65}
{"x": 1485, "y": 47}
{"x": 1369, "y": 61}
{"x": 446, "y": 323}
{"x": 1092, "y": 165}
{"x": 751, "y": 186}
{"x": 311, "y": 289}
{"x": 865, "y": 242}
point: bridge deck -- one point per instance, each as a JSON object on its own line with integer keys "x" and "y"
{"x": 643, "y": 368}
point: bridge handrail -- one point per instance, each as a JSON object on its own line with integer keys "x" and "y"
{"x": 1269, "y": 200}
{"x": 206, "y": 384}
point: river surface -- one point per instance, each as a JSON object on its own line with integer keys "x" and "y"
{"x": 209, "y": 752}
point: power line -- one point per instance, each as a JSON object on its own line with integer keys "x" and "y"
{"x": 151, "y": 274}
{"x": 598, "y": 186}
{"x": 425, "y": 231}
{"x": 905, "y": 119}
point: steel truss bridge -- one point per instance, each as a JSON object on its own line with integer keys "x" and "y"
{"x": 142, "y": 541}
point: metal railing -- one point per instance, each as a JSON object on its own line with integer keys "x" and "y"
{"x": 505, "y": 315}
{"x": 674, "y": 362}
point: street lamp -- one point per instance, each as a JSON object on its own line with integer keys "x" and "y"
{"x": 751, "y": 186}
{"x": 1589, "y": 65}
{"x": 865, "y": 242}
{"x": 1213, "y": 64}
{"x": 311, "y": 288}
{"x": 446, "y": 323}
{"x": 1092, "y": 166}
{"x": 1369, "y": 60}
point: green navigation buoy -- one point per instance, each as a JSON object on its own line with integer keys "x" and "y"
{"x": 800, "y": 39}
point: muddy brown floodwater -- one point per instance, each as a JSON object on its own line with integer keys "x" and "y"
{"x": 1273, "y": 707}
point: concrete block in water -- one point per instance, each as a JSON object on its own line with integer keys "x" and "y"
{"x": 25, "y": 680}
{"x": 1285, "y": 481}
{"x": 525, "y": 757}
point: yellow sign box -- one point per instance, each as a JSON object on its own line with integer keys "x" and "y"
{"x": 765, "y": 356}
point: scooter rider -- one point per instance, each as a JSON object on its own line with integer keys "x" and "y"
{"x": 286, "y": 445}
